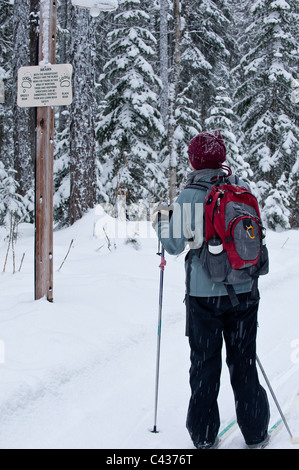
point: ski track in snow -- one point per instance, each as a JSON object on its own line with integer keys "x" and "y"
{"x": 80, "y": 373}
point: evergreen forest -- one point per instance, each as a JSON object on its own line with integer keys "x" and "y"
{"x": 146, "y": 79}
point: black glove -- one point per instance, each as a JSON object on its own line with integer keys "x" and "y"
{"x": 163, "y": 212}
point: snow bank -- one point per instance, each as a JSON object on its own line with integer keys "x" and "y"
{"x": 80, "y": 373}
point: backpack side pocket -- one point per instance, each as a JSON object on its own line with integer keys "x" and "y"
{"x": 217, "y": 266}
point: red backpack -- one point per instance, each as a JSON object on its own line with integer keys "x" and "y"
{"x": 234, "y": 250}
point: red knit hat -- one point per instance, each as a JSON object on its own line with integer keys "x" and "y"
{"x": 207, "y": 150}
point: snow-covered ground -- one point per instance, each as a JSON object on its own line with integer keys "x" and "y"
{"x": 80, "y": 373}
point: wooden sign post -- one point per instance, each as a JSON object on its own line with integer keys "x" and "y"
{"x": 44, "y": 87}
{"x": 44, "y": 162}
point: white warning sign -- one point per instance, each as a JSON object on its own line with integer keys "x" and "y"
{"x": 49, "y": 85}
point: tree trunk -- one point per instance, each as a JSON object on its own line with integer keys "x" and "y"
{"x": 23, "y": 141}
{"x": 82, "y": 133}
{"x": 164, "y": 60}
{"x": 172, "y": 123}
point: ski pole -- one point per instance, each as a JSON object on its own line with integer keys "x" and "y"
{"x": 294, "y": 440}
{"x": 161, "y": 266}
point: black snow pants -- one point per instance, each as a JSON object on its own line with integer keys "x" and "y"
{"x": 210, "y": 320}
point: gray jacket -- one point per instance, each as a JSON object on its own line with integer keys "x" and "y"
{"x": 186, "y": 229}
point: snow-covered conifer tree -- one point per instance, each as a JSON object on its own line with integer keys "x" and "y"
{"x": 6, "y": 44}
{"x": 186, "y": 126}
{"x": 222, "y": 117}
{"x": 131, "y": 127}
{"x": 10, "y": 201}
{"x": 269, "y": 120}
{"x": 294, "y": 195}
{"x": 62, "y": 122}
{"x": 82, "y": 127}
{"x": 206, "y": 50}
{"x": 204, "y": 62}
{"x": 23, "y": 160}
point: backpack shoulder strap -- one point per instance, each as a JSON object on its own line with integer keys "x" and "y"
{"x": 205, "y": 185}
{"x": 233, "y": 179}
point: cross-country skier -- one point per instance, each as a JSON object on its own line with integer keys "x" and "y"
{"x": 210, "y": 314}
